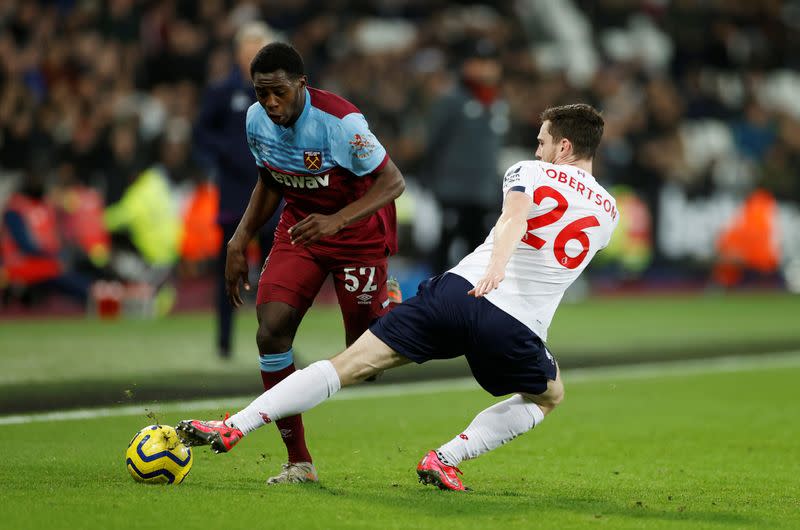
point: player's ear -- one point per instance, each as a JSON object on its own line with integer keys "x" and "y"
{"x": 564, "y": 146}
{"x": 302, "y": 81}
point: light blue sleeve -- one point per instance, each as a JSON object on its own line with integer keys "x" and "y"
{"x": 354, "y": 147}
{"x": 251, "y": 123}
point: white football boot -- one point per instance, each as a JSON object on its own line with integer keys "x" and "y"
{"x": 294, "y": 472}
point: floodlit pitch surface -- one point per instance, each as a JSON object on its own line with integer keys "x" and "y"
{"x": 699, "y": 444}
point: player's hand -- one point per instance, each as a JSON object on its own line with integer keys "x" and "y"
{"x": 235, "y": 270}
{"x": 314, "y": 227}
{"x": 490, "y": 281}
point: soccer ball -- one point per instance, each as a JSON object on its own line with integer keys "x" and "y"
{"x": 157, "y": 456}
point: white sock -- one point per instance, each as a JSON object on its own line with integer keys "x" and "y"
{"x": 302, "y": 390}
{"x": 493, "y": 427}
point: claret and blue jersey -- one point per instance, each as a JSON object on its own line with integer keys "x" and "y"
{"x": 321, "y": 163}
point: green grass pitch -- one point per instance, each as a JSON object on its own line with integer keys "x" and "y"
{"x": 716, "y": 450}
{"x": 46, "y": 364}
{"x": 627, "y": 327}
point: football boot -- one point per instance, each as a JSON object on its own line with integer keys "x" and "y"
{"x": 432, "y": 470}
{"x": 294, "y": 472}
{"x": 215, "y": 433}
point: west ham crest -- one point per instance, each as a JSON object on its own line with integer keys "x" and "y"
{"x": 312, "y": 160}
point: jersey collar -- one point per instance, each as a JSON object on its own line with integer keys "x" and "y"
{"x": 303, "y": 114}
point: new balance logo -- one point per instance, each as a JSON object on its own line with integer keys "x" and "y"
{"x": 463, "y": 436}
{"x": 301, "y": 181}
{"x": 265, "y": 417}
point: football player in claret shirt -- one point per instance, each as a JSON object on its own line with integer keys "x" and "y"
{"x": 314, "y": 150}
{"x": 494, "y": 307}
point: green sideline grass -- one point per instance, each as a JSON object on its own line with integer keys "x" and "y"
{"x": 49, "y": 350}
{"x": 58, "y": 363}
{"x": 711, "y": 451}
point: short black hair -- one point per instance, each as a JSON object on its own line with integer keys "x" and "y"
{"x": 277, "y": 56}
{"x": 580, "y": 123}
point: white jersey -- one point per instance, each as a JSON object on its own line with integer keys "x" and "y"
{"x": 572, "y": 217}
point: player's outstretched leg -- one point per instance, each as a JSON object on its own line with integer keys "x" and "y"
{"x": 215, "y": 433}
{"x": 296, "y": 394}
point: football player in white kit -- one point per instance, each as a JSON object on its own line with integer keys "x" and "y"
{"x": 494, "y": 307}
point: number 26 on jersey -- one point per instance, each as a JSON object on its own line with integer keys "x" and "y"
{"x": 573, "y": 231}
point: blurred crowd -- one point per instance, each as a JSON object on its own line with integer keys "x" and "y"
{"x": 699, "y": 94}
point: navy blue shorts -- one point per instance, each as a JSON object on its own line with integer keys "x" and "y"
{"x": 443, "y": 322}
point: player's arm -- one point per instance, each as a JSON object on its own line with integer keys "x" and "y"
{"x": 388, "y": 185}
{"x": 264, "y": 201}
{"x": 508, "y": 232}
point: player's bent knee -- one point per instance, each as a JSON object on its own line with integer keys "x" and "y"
{"x": 557, "y": 397}
{"x": 270, "y": 340}
{"x": 555, "y": 393}
{"x": 550, "y": 398}
{"x": 277, "y": 324}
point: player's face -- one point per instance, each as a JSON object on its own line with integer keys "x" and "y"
{"x": 280, "y": 95}
{"x": 548, "y": 149}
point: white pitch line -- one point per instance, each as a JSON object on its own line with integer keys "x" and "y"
{"x": 579, "y": 375}
{"x": 727, "y": 364}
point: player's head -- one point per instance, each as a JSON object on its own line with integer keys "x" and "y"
{"x": 249, "y": 39}
{"x": 279, "y": 79}
{"x": 569, "y": 133}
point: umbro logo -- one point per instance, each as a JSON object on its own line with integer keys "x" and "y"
{"x": 364, "y": 298}
{"x": 265, "y": 417}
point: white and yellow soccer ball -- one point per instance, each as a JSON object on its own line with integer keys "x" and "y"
{"x": 157, "y": 456}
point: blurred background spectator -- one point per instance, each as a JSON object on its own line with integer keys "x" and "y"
{"x": 700, "y": 101}
{"x": 464, "y": 136}
{"x": 31, "y": 249}
{"x": 221, "y": 147}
